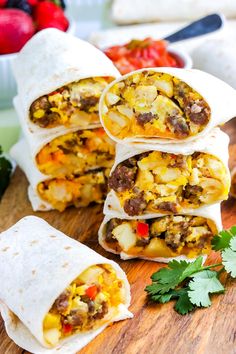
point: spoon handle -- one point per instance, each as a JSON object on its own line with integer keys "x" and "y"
{"x": 205, "y": 25}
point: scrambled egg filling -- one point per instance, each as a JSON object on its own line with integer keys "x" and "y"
{"x": 167, "y": 236}
{"x": 168, "y": 183}
{"x": 76, "y": 153}
{"x": 79, "y": 191}
{"x": 151, "y": 104}
{"x": 75, "y": 103}
{"x": 89, "y": 301}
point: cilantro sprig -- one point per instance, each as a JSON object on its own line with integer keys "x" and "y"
{"x": 191, "y": 284}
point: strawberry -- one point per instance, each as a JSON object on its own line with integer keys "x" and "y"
{"x": 16, "y": 28}
{"x": 3, "y": 3}
{"x": 47, "y": 14}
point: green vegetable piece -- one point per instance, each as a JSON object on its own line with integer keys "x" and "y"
{"x": 204, "y": 283}
{"x": 183, "y": 304}
{"x": 5, "y": 173}
{"x": 222, "y": 241}
{"x": 229, "y": 258}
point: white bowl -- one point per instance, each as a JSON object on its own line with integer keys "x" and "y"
{"x": 7, "y": 81}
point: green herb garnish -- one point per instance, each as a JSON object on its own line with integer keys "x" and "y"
{"x": 191, "y": 284}
{"x": 5, "y": 173}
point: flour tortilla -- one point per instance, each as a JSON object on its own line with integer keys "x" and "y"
{"x": 37, "y": 263}
{"x": 138, "y": 11}
{"x": 217, "y": 57}
{"x": 216, "y": 144}
{"x": 211, "y": 212}
{"x": 64, "y": 59}
{"x": 220, "y": 97}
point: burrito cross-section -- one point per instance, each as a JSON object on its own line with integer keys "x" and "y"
{"x": 63, "y": 295}
{"x": 72, "y": 104}
{"x": 76, "y": 152}
{"x": 165, "y": 104}
{"x": 160, "y": 182}
{"x": 161, "y": 238}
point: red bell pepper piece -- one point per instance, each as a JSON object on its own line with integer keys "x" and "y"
{"x": 91, "y": 292}
{"x": 142, "y": 229}
{"x": 66, "y": 328}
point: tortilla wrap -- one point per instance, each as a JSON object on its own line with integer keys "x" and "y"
{"x": 212, "y": 212}
{"x": 136, "y": 11}
{"x": 21, "y": 154}
{"x": 63, "y": 60}
{"x": 216, "y": 144}
{"x": 219, "y": 97}
{"x": 217, "y": 57}
{"x": 55, "y": 261}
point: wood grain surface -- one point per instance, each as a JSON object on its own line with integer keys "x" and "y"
{"x": 155, "y": 329}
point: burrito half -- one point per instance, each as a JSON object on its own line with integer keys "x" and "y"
{"x": 65, "y": 83}
{"x": 165, "y": 104}
{"x": 168, "y": 179}
{"x": 48, "y": 192}
{"x": 161, "y": 238}
{"x": 63, "y": 295}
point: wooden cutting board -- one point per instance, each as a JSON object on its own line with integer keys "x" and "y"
{"x": 155, "y": 329}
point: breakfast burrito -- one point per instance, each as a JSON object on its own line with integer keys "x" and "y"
{"x": 161, "y": 238}
{"x": 165, "y": 104}
{"x": 169, "y": 179}
{"x": 63, "y": 295}
{"x": 65, "y": 83}
{"x": 138, "y": 11}
{"x": 73, "y": 152}
{"x": 60, "y": 191}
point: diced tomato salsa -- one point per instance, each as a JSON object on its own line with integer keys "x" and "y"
{"x": 138, "y": 54}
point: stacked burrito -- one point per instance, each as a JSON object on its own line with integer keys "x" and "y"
{"x": 65, "y": 153}
{"x": 171, "y": 167}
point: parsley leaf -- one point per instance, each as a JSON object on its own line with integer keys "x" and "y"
{"x": 229, "y": 258}
{"x": 203, "y": 284}
{"x": 222, "y": 241}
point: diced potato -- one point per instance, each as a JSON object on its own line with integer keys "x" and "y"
{"x": 91, "y": 274}
{"x": 145, "y": 179}
{"x": 126, "y": 111}
{"x": 78, "y": 305}
{"x": 157, "y": 248}
{"x": 212, "y": 189}
{"x": 125, "y": 236}
{"x": 118, "y": 118}
{"x": 167, "y": 174}
{"x": 145, "y": 95}
{"x": 52, "y": 336}
{"x": 164, "y": 106}
{"x": 164, "y": 86}
{"x": 194, "y": 178}
{"x": 52, "y": 320}
{"x": 111, "y": 98}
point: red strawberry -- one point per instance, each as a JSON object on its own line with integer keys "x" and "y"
{"x": 3, "y": 3}
{"x": 47, "y": 14}
{"x": 16, "y": 28}
{"x": 33, "y": 2}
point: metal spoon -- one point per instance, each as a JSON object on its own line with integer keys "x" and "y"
{"x": 197, "y": 28}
